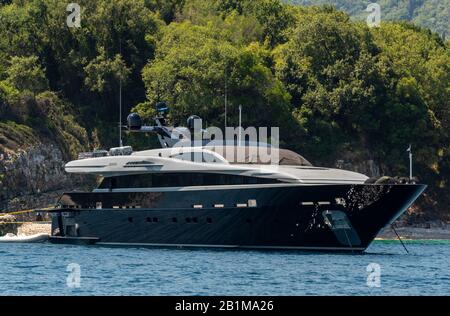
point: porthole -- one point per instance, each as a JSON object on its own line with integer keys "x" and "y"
{"x": 195, "y": 220}
{"x": 155, "y": 220}
{"x": 130, "y": 219}
{"x": 188, "y": 220}
{"x": 149, "y": 220}
{"x": 209, "y": 220}
{"x": 174, "y": 220}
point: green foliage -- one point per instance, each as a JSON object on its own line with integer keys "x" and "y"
{"x": 60, "y": 123}
{"x": 21, "y": 29}
{"x": 167, "y": 9}
{"x": 270, "y": 16}
{"x": 192, "y": 67}
{"x": 330, "y": 69}
{"x": 367, "y": 88}
{"x": 335, "y": 87}
{"x": 275, "y": 19}
{"x": 432, "y": 14}
{"x": 102, "y": 73}
{"x": 26, "y": 74}
{"x": 14, "y": 135}
{"x": 6, "y": 92}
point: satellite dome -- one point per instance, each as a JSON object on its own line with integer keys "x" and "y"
{"x": 191, "y": 122}
{"x": 134, "y": 122}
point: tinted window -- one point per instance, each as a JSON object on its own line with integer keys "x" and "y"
{"x": 179, "y": 180}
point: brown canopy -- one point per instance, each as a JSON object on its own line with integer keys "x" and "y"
{"x": 259, "y": 155}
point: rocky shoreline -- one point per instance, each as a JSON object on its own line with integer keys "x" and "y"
{"x": 416, "y": 233}
{"x": 29, "y": 229}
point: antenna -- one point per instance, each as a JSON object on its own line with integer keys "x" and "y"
{"x": 409, "y": 150}
{"x": 240, "y": 124}
{"x": 226, "y": 96}
{"x": 120, "y": 100}
{"x": 120, "y": 113}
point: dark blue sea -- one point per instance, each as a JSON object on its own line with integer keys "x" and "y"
{"x": 385, "y": 269}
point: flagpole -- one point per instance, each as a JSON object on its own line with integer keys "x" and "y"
{"x": 410, "y": 162}
{"x": 226, "y": 96}
{"x": 120, "y": 100}
{"x": 240, "y": 124}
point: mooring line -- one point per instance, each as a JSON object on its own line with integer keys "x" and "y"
{"x": 26, "y": 211}
{"x": 398, "y": 236}
{"x": 11, "y": 223}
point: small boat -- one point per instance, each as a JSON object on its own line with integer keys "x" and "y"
{"x": 12, "y": 238}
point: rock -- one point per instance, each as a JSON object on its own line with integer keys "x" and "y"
{"x": 29, "y": 229}
{"x": 7, "y": 218}
{"x": 30, "y": 177}
{"x": 8, "y": 225}
{"x": 368, "y": 167}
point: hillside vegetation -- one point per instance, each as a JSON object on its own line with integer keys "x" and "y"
{"x": 337, "y": 89}
{"x": 432, "y": 14}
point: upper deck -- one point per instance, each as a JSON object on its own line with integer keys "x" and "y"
{"x": 260, "y": 162}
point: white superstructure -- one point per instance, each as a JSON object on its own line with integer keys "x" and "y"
{"x": 179, "y": 160}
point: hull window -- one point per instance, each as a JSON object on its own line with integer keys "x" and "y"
{"x": 179, "y": 180}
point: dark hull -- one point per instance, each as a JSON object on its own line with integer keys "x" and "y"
{"x": 326, "y": 217}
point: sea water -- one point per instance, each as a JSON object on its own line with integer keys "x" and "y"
{"x": 385, "y": 269}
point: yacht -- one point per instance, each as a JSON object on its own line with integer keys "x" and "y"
{"x": 167, "y": 197}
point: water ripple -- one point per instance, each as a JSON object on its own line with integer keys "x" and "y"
{"x": 41, "y": 269}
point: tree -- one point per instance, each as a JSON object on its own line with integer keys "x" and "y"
{"x": 103, "y": 74}
{"x": 26, "y": 74}
{"x": 167, "y": 9}
{"x": 192, "y": 67}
